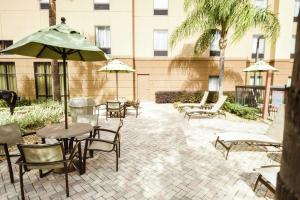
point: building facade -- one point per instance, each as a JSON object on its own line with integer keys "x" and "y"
{"x": 110, "y": 24}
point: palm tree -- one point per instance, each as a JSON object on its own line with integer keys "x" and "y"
{"x": 54, "y": 63}
{"x": 212, "y": 17}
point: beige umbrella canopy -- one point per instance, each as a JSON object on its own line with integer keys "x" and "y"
{"x": 116, "y": 66}
{"x": 260, "y": 66}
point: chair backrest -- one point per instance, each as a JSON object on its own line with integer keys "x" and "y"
{"x": 122, "y": 99}
{"x": 10, "y": 134}
{"x": 113, "y": 105}
{"x": 276, "y": 129}
{"x": 217, "y": 106}
{"x": 42, "y": 156}
{"x": 204, "y": 98}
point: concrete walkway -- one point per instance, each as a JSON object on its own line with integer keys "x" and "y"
{"x": 163, "y": 156}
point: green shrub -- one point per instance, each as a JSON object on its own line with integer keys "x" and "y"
{"x": 3, "y": 103}
{"x": 190, "y": 97}
{"x": 34, "y": 116}
{"x": 241, "y": 111}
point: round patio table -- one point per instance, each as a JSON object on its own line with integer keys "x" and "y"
{"x": 58, "y": 131}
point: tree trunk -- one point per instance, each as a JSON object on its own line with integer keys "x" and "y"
{"x": 221, "y": 73}
{"x": 288, "y": 180}
{"x": 54, "y": 63}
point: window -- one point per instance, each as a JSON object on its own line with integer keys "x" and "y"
{"x": 4, "y": 44}
{"x": 289, "y": 82}
{"x": 214, "y": 47}
{"x": 160, "y": 40}
{"x": 293, "y": 46}
{"x": 213, "y": 83}
{"x": 261, "y": 3}
{"x": 8, "y": 79}
{"x": 44, "y": 4}
{"x": 101, "y": 4}
{"x": 103, "y": 38}
{"x": 258, "y": 80}
{"x": 261, "y": 47}
{"x": 160, "y": 7}
{"x": 43, "y": 79}
{"x": 296, "y": 9}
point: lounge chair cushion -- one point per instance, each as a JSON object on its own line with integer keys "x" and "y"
{"x": 246, "y": 137}
{"x": 269, "y": 174}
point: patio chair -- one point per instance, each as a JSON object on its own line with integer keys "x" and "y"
{"x": 181, "y": 106}
{"x": 107, "y": 141}
{"x": 42, "y": 157}
{"x": 267, "y": 176}
{"x": 115, "y": 109}
{"x": 273, "y": 136}
{"x": 215, "y": 110}
{"x": 133, "y": 105}
{"x": 10, "y": 134}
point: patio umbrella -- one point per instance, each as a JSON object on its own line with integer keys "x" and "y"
{"x": 116, "y": 66}
{"x": 261, "y": 66}
{"x": 57, "y": 42}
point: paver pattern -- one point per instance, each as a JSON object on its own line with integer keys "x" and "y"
{"x": 164, "y": 156}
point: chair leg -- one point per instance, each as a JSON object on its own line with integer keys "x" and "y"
{"x": 217, "y": 141}
{"x": 67, "y": 180}
{"x": 119, "y": 149}
{"x": 81, "y": 171}
{"x": 256, "y": 183}
{"x": 84, "y": 156}
{"x": 117, "y": 158}
{"x": 21, "y": 182}
{"x": 11, "y": 174}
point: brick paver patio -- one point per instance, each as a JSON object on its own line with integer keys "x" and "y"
{"x": 163, "y": 157}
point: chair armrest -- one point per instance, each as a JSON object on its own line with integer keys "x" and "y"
{"x": 106, "y": 130}
{"x": 99, "y": 140}
{"x": 28, "y": 133}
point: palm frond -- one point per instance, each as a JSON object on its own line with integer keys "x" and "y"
{"x": 193, "y": 23}
{"x": 205, "y": 40}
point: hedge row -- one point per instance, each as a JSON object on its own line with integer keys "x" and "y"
{"x": 190, "y": 97}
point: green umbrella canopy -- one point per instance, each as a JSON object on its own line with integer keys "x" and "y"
{"x": 55, "y": 40}
{"x": 58, "y": 42}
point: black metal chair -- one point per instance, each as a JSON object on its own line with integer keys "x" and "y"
{"x": 107, "y": 141}
{"x": 42, "y": 157}
{"x": 115, "y": 109}
{"x": 10, "y": 134}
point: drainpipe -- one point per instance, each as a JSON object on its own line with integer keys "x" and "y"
{"x": 133, "y": 49}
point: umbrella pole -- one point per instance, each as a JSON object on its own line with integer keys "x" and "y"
{"x": 65, "y": 88}
{"x": 117, "y": 85}
{"x": 267, "y": 96}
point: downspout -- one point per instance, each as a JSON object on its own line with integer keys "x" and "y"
{"x": 133, "y": 50}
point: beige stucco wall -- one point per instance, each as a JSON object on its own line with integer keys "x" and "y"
{"x": 181, "y": 70}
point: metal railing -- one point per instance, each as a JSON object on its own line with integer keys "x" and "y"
{"x": 253, "y": 96}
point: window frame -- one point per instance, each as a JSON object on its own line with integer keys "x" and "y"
{"x": 45, "y": 75}
{"x": 213, "y": 53}
{"x": 260, "y": 55}
{"x": 213, "y": 76}
{"x": 264, "y": 7}
{"x": 160, "y": 53}
{"x": 3, "y": 43}
{"x": 292, "y": 54}
{"x": 6, "y": 75}
{"x": 106, "y": 50}
{"x": 43, "y": 5}
{"x": 101, "y": 6}
{"x": 296, "y": 17}
{"x": 159, "y": 11}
